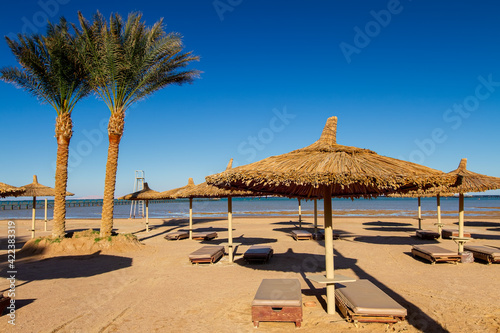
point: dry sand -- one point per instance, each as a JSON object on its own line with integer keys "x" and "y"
{"x": 156, "y": 289}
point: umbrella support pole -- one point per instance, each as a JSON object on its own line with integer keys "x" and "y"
{"x": 147, "y": 216}
{"x": 45, "y": 214}
{"x": 190, "y": 218}
{"x": 439, "y": 224}
{"x": 316, "y": 218}
{"x": 33, "y": 213}
{"x": 300, "y": 215}
{"x": 330, "y": 288}
{"x": 230, "y": 228}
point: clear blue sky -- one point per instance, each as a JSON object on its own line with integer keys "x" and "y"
{"x": 416, "y": 80}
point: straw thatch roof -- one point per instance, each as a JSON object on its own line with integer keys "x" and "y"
{"x": 204, "y": 190}
{"x": 10, "y": 191}
{"x": 471, "y": 181}
{"x": 343, "y": 170}
{"x": 145, "y": 194}
{"x": 36, "y": 189}
{"x": 171, "y": 193}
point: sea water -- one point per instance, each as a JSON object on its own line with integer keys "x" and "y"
{"x": 382, "y": 206}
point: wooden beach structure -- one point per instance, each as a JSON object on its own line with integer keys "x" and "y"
{"x": 10, "y": 191}
{"x": 325, "y": 169}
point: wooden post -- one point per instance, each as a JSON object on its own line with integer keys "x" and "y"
{"x": 230, "y": 227}
{"x": 191, "y": 218}
{"x": 147, "y": 216}
{"x": 33, "y": 213}
{"x": 419, "y": 214}
{"x": 460, "y": 222}
{"x": 316, "y": 216}
{"x": 440, "y": 226}
{"x": 45, "y": 214}
{"x": 300, "y": 215}
{"x": 330, "y": 288}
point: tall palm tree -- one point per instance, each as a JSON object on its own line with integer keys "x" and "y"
{"x": 129, "y": 61}
{"x": 51, "y": 71}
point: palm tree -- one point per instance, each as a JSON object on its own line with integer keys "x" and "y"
{"x": 129, "y": 61}
{"x": 51, "y": 71}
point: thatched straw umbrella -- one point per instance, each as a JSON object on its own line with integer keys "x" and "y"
{"x": 204, "y": 190}
{"x": 325, "y": 169}
{"x": 34, "y": 190}
{"x": 469, "y": 182}
{"x": 145, "y": 194}
{"x": 10, "y": 191}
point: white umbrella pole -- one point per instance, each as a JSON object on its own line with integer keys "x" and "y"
{"x": 45, "y": 214}
{"x": 147, "y": 216}
{"x": 300, "y": 215}
{"x": 33, "y": 213}
{"x": 419, "y": 214}
{"x": 190, "y": 218}
{"x": 460, "y": 222}
{"x": 330, "y": 288}
{"x": 230, "y": 227}
{"x": 315, "y": 216}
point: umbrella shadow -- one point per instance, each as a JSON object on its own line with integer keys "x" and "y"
{"x": 393, "y": 229}
{"x": 184, "y": 221}
{"x": 394, "y": 240}
{"x": 19, "y": 304}
{"x": 70, "y": 267}
{"x": 387, "y": 224}
{"x": 294, "y": 223}
{"x": 493, "y": 229}
{"x": 484, "y": 236}
{"x": 479, "y": 224}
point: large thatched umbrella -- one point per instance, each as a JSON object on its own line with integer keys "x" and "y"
{"x": 10, "y": 191}
{"x": 34, "y": 190}
{"x": 469, "y": 182}
{"x": 145, "y": 194}
{"x": 325, "y": 169}
{"x": 204, "y": 190}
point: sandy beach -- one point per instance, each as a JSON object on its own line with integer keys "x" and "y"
{"x": 156, "y": 289}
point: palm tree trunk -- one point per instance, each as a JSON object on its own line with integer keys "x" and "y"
{"x": 64, "y": 131}
{"x": 115, "y": 132}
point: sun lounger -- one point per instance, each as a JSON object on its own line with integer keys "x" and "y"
{"x": 258, "y": 253}
{"x": 427, "y": 234}
{"x": 321, "y": 235}
{"x": 448, "y": 233}
{"x": 278, "y": 300}
{"x": 206, "y": 254}
{"x": 362, "y": 301}
{"x": 435, "y": 253}
{"x": 486, "y": 253}
{"x": 205, "y": 235}
{"x": 176, "y": 235}
{"x": 301, "y": 235}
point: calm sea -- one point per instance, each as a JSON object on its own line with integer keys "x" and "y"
{"x": 474, "y": 206}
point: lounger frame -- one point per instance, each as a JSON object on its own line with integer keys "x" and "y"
{"x": 271, "y": 313}
{"x": 436, "y": 258}
{"x": 426, "y": 234}
{"x": 298, "y": 237}
{"x": 489, "y": 258}
{"x": 250, "y": 257}
{"x": 177, "y": 237}
{"x": 205, "y": 236}
{"x": 213, "y": 258}
{"x": 353, "y": 317}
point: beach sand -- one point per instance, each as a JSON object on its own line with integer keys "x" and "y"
{"x": 156, "y": 289}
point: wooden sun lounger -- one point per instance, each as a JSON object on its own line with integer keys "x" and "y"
{"x": 258, "y": 253}
{"x": 362, "y": 301}
{"x": 486, "y": 253}
{"x": 176, "y": 235}
{"x": 448, "y": 233}
{"x": 207, "y": 254}
{"x": 321, "y": 235}
{"x": 205, "y": 235}
{"x": 427, "y": 234}
{"x": 278, "y": 300}
{"x": 435, "y": 253}
{"x": 301, "y": 235}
